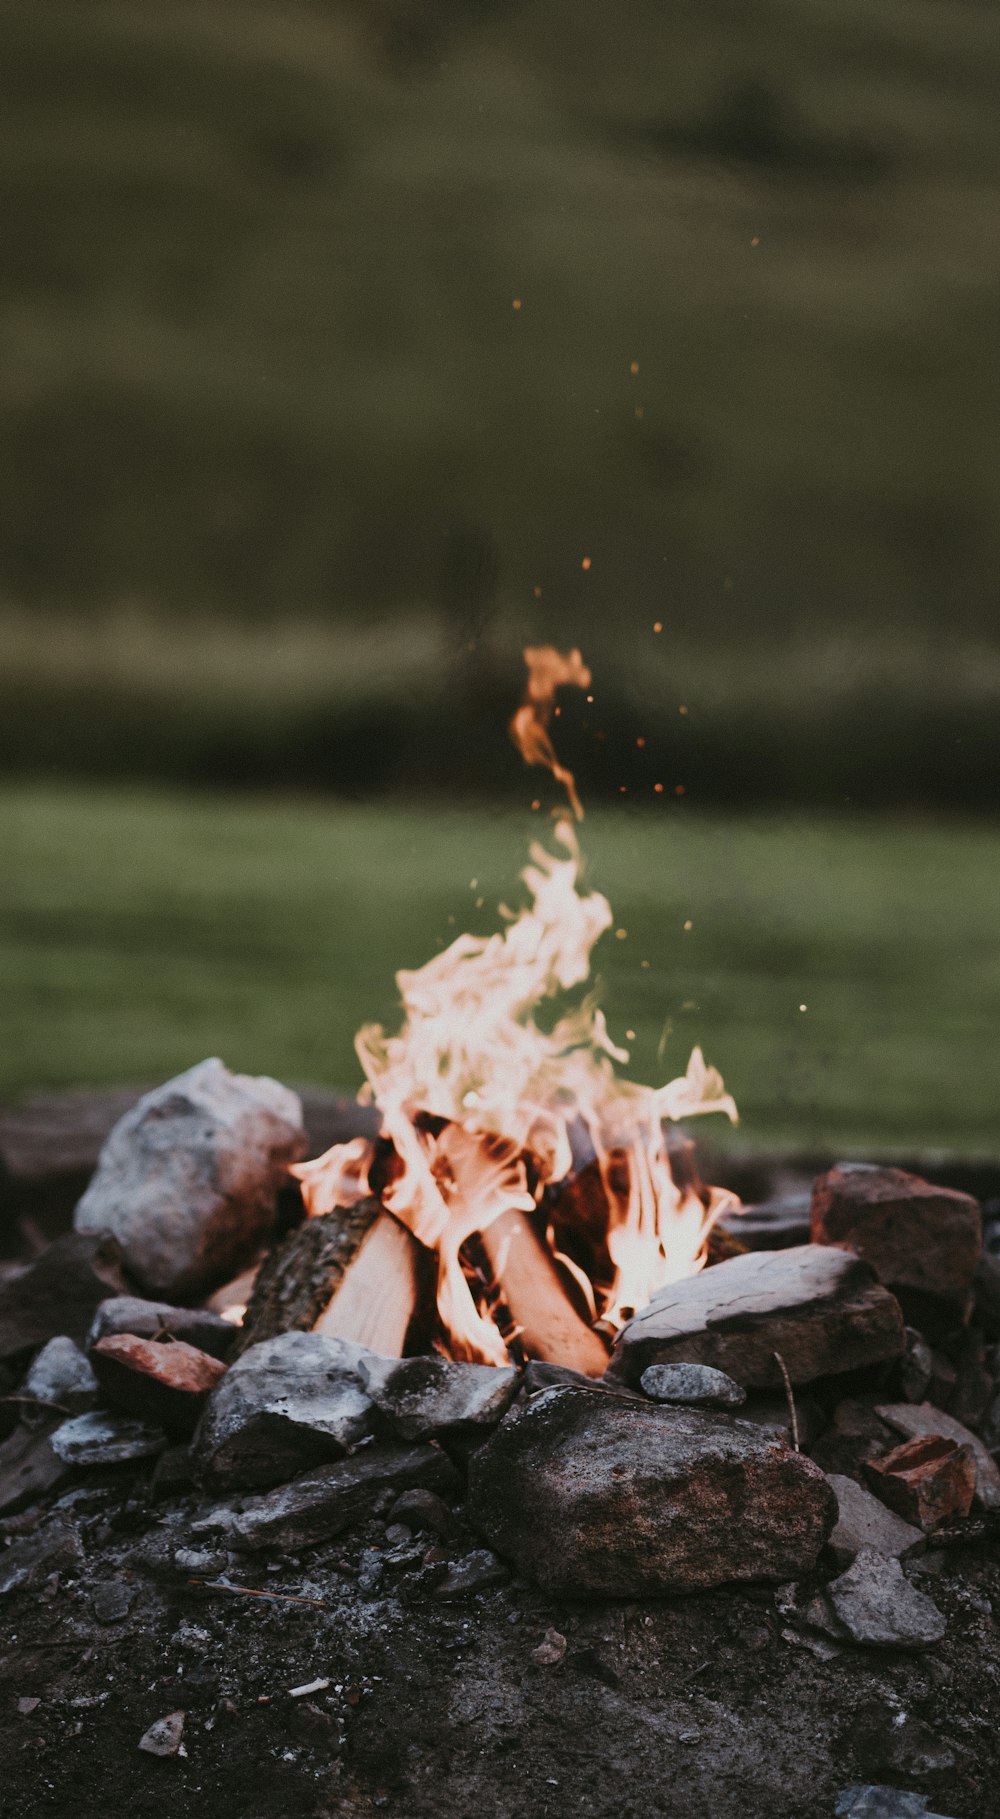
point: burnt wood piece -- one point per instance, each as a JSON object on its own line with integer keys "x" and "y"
{"x": 353, "y": 1273}
{"x": 549, "y": 1326}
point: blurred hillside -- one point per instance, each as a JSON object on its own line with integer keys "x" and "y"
{"x": 336, "y": 336}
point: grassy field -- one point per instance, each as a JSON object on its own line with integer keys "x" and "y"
{"x": 140, "y": 931}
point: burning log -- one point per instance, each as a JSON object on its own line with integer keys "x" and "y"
{"x": 353, "y": 1273}
{"x": 527, "y": 1275}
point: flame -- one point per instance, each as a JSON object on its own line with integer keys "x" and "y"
{"x": 486, "y": 1112}
{"x": 548, "y": 669}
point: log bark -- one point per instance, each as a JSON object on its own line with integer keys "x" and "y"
{"x": 354, "y": 1273}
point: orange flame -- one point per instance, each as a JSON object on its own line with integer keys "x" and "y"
{"x": 548, "y": 669}
{"x": 486, "y": 1112}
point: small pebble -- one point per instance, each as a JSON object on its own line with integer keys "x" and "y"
{"x": 551, "y": 1650}
{"x": 694, "y": 1385}
{"x": 112, "y": 1601}
{"x": 164, "y": 1736}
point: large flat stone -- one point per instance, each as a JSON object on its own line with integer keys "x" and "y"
{"x": 105, "y": 1437}
{"x": 923, "y": 1242}
{"x": 324, "y": 1502}
{"x": 821, "y": 1308}
{"x": 590, "y": 1494}
{"x": 287, "y": 1403}
{"x": 188, "y": 1180}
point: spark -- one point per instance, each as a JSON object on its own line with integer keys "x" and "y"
{"x": 634, "y": 368}
{"x": 621, "y": 934}
{"x": 630, "y": 1035}
{"x": 516, "y": 304}
{"x": 657, "y": 625}
{"x": 679, "y": 789}
{"x": 658, "y": 787}
{"x": 640, "y": 742}
{"x": 689, "y": 923}
{"x": 803, "y": 1007}
{"x": 586, "y": 563}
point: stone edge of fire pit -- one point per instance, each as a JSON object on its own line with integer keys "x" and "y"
{"x": 819, "y": 1307}
{"x": 591, "y": 1494}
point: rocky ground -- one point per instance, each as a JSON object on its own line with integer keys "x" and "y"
{"x": 498, "y": 1702}
{"x": 301, "y": 1579}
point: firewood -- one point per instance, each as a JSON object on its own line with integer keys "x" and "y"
{"x": 528, "y": 1278}
{"x": 353, "y": 1273}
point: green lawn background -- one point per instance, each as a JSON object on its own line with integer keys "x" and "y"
{"x": 140, "y": 931}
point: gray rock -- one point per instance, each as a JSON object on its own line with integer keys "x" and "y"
{"x": 911, "y": 1419}
{"x": 25, "y": 1563}
{"x": 870, "y": 1802}
{"x": 188, "y": 1179}
{"x": 854, "y": 1435}
{"x": 164, "y": 1736}
{"x": 916, "y": 1367}
{"x": 58, "y": 1293}
{"x": 428, "y": 1398}
{"x": 103, "y": 1438}
{"x": 862, "y": 1521}
{"x": 920, "y": 1240}
{"x": 475, "y": 1572}
{"x": 61, "y": 1378}
{"x": 695, "y": 1384}
{"x": 324, "y": 1502}
{"x": 112, "y": 1601}
{"x": 592, "y": 1494}
{"x": 28, "y": 1468}
{"x": 875, "y": 1605}
{"x": 423, "y": 1510}
{"x": 821, "y": 1308}
{"x": 771, "y": 1225}
{"x": 287, "y": 1403}
{"x": 155, "y": 1319}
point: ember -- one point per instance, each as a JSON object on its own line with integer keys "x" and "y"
{"x": 538, "y": 1177}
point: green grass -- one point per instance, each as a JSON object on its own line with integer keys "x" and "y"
{"x": 140, "y": 931}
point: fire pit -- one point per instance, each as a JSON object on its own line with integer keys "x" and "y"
{"x": 491, "y": 1446}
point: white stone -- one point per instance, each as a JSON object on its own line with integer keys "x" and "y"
{"x": 188, "y": 1180}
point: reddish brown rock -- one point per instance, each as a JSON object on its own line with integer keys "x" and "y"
{"x": 923, "y": 1242}
{"x": 166, "y": 1381}
{"x": 928, "y": 1481}
{"x": 921, "y": 1418}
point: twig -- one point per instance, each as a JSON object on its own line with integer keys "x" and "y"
{"x": 249, "y": 1591}
{"x": 791, "y": 1399}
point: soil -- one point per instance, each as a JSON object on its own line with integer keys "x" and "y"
{"x": 708, "y": 1707}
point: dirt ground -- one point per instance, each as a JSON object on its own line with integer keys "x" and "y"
{"x": 707, "y": 1707}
